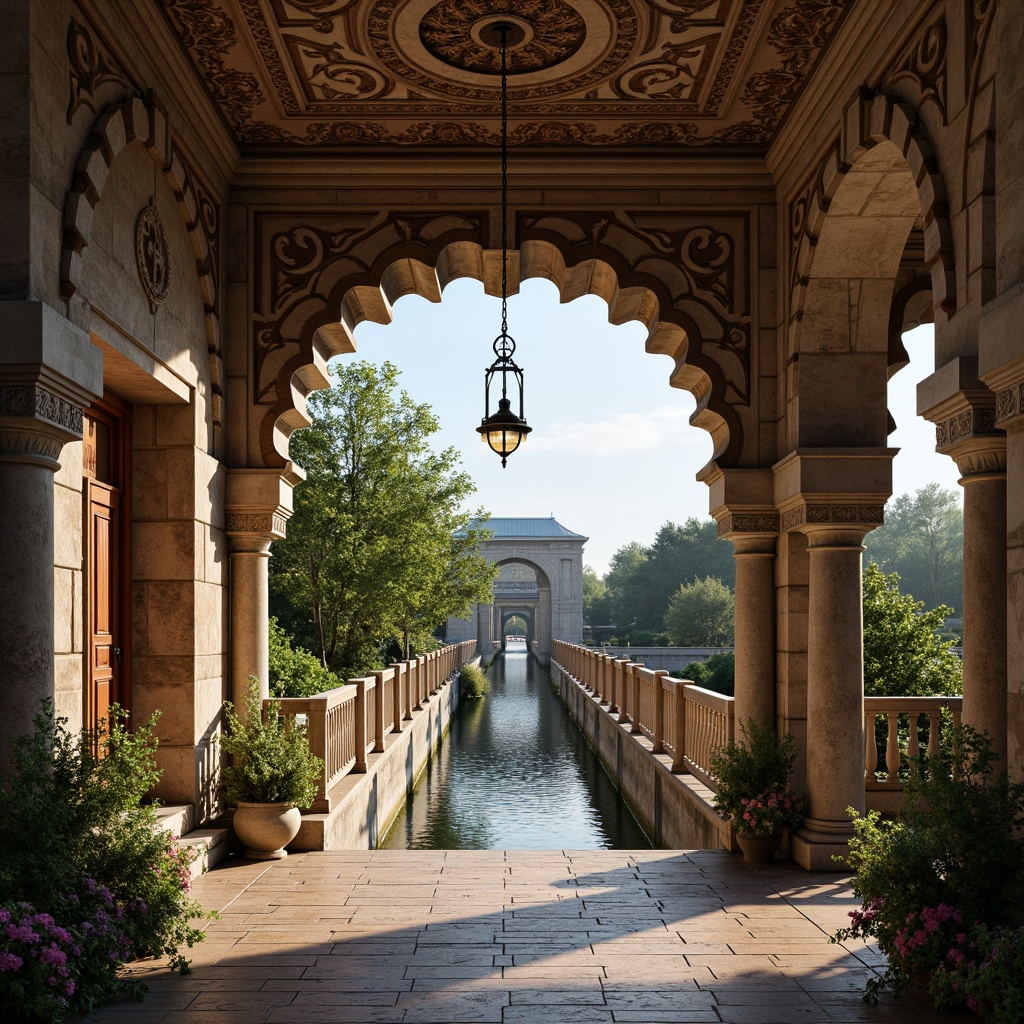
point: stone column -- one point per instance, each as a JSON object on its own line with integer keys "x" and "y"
{"x": 257, "y": 508}
{"x": 963, "y": 410}
{"x": 48, "y": 372}
{"x": 29, "y": 448}
{"x": 755, "y": 626}
{"x": 834, "y": 497}
{"x": 982, "y": 461}
{"x": 743, "y": 503}
{"x": 835, "y": 693}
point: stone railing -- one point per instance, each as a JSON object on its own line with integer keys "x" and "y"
{"x": 350, "y": 721}
{"x": 920, "y": 737}
{"x": 679, "y": 718}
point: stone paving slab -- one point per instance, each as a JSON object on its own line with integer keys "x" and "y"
{"x": 520, "y": 937}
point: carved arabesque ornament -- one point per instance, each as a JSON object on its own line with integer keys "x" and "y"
{"x": 923, "y": 63}
{"x": 90, "y": 67}
{"x": 701, "y": 262}
{"x": 592, "y": 72}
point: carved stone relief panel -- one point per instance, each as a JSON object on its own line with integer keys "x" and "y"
{"x": 698, "y": 263}
{"x": 598, "y": 72}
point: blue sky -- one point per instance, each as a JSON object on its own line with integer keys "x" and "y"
{"x": 612, "y": 454}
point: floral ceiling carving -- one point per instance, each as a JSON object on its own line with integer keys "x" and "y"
{"x": 596, "y": 72}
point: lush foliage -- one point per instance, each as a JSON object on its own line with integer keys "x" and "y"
{"x": 760, "y": 763}
{"x": 379, "y": 546}
{"x": 472, "y": 682}
{"x": 642, "y": 579}
{"x": 597, "y": 608}
{"x": 271, "y": 760}
{"x": 701, "y": 614}
{"x": 984, "y": 970}
{"x": 955, "y": 856}
{"x": 88, "y": 880}
{"x": 769, "y": 812}
{"x": 922, "y": 541}
{"x": 294, "y": 672}
{"x": 902, "y": 654}
{"x": 716, "y": 673}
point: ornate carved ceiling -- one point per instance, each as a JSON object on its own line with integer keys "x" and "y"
{"x": 594, "y": 72}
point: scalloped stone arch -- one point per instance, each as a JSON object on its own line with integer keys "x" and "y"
{"x": 867, "y": 122}
{"x": 642, "y": 298}
{"x": 134, "y": 120}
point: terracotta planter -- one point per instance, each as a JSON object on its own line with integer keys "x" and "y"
{"x": 758, "y": 849}
{"x": 266, "y": 829}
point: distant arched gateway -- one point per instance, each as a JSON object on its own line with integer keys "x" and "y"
{"x": 541, "y": 580}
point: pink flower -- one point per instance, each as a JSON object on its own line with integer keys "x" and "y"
{"x": 10, "y": 962}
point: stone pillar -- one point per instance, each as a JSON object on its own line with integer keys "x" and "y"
{"x": 258, "y": 506}
{"x": 834, "y": 497}
{"x": 48, "y": 372}
{"x": 755, "y": 626}
{"x": 835, "y": 694}
{"x": 982, "y": 461}
{"x": 29, "y": 449}
{"x": 743, "y": 503}
{"x": 963, "y": 410}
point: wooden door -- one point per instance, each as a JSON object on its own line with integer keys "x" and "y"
{"x": 105, "y": 650}
{"x": 107, "y": 569}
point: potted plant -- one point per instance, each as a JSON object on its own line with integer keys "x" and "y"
{"x": 753, "y": 780}
{"x": 272, "y": 774}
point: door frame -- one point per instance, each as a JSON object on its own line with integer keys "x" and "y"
{"x": 116, "y": 413}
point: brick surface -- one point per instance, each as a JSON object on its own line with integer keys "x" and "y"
{"x": 492, "y": 937}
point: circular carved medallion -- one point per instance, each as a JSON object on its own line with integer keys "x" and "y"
{"x": 545, "y": 32}
{"x": 555, "y": 46}
{"x": 151, "y": 256}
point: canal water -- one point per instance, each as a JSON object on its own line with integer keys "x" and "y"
{"x": 514, "y": 773}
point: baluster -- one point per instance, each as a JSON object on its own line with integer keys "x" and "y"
{"x": 934, "y": 718}
{"x": 870, "y": 747}
{"x": 659, "y": 712}
{"x": 892, "y": 748}
{"x": 913, "y": 742}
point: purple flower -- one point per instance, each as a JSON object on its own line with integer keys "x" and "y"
{"x": 10, "y": 962}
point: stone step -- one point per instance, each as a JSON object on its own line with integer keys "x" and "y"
{"x": 210, "y": 844}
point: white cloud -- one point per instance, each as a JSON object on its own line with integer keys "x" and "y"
{"x": 623, "y": 432}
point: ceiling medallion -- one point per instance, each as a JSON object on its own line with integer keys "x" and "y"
{"x": 448, "y": 48}
{"x": 151, "y": 256}
{"x": 543, "y": 33}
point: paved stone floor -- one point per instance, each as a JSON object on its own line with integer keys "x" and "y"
{"x": 519, "y": 938}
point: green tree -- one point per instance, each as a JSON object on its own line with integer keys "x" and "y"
{"x": 295, "y": 672}
{"x": 923, "y": 541}
{"x": 596, "y": 602}
{"x": 701, "y": 614}
{"x": 903, "y": 657}
{"x": 642, "y": 580}
{"x": 370, "y": 553}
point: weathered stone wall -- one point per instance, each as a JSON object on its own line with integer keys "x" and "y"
{"x": 674, "y": 810}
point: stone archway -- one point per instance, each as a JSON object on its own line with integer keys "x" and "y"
{"x": 688, "y": 282}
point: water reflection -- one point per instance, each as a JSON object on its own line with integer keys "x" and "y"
{"x": 514, "y": 772}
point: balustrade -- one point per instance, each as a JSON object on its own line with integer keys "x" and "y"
{"x": 689, "y": 722}
{"x": 346, "y": 723}
{"x": 903, "y": 746}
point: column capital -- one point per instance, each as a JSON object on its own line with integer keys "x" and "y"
{"x": 49, "y": 372}
{"x": 35, "y": 424}
{"x": 258, "y": 506}
{"x": 965, "y": 413}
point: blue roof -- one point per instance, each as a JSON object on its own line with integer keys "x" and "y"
{"x": 527, "y": 528}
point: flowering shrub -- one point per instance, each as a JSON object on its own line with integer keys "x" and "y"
{"x": 88, "y": 881}
{"x": 765, "y": 814}
{"x": 753, "y": 772}
{"x": 955, "y": 855}
{"x": 984, "y": 970}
